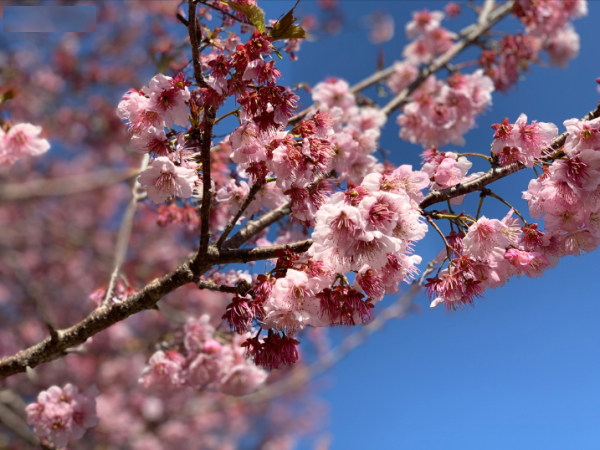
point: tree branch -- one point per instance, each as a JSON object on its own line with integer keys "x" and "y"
{"x": 125, "y": 233}
{"x": 54, "y": 346}
{"x": 98, "y": 320}
{"x": 256, "y": 253}
{"x": 465, "y": 33}
{"x": 475, "y": 32}
{"x": 256, "y": 226}
{"x": 494, "y": 173}
{"x": 64, "y": 186}
{"x": 253, "y": 191}
{"x": 194, "y": 42}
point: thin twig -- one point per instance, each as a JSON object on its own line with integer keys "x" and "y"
{"x": 125, "y": 233}
{"x": 449, "y": 249}
{"x": 497, "y": 197}
{"x": 217, "y": 287}
{"x": 55, "y": 187}
{"x": 256, "y": 253}
{"x": 254, "y": 227}
{"x": 249, "y": 198}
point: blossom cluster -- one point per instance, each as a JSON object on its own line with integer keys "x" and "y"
{"x": 429, "y": 38}
{"x": 204, "y": 362}
{"x": 445, "y": 169}
{"x": 565, "y": 196}
{"x": 60, "y": 415}
{"x": 442, "y": 112}
{"x": 488, "y": 254}
{"x": 148, "y": 112}
{"x": 22, "y": 139}
{"x": 337, "y": 136}
{"x": 356, "y": 130}
{"x": 367, "y": 229}
{"x": 520, "y": 142}
{"x": 547, "y": 27}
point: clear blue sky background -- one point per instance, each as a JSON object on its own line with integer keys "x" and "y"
{"x": 521, "y": 370}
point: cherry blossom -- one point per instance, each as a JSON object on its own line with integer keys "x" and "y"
{"x": 21, "y": 140}
{"x": 164, "y": 179}
{"x": 60, "y": 415}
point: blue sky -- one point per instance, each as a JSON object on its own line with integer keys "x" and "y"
{"x": 521, "y": 370}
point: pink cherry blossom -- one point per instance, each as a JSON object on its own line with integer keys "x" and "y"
{"x": 63, "y": 414}
{"x": 563, "y": 46}
{"x": 21, "y": 140}
{"x": 164, "y": 179}
{"x": 423, "y": 22}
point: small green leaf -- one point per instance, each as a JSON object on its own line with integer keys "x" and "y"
{"x": 278, "y": 54}
{"x": 255, "y": 15}
{"x": 285, "y": 28}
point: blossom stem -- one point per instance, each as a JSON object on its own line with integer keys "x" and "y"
{"x": 449, "y": 249}
{"x": 481, "y": 199}
{"x": 489, "y": 193}
{"x": 124, "y": 234}
{"x": 479, "y": 155}
{"x": 235, "y": 112}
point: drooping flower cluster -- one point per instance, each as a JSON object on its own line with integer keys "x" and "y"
{"x": 430, "y": 39}
{"x": 148, "y": 112}
{"x": 522, "y": 142}
{"x": 547, "y": 27}
{"x": 61, "y": 415}
{"x": 252, "y": 80}
{"x": 204, "y": 362}
{"x": 154, "y": 108}
{"x": 368, "y": 230}
{"x": 442, "y": 113}
{"x": 21, "y": 140}
{"x": 356, "y": 130}
{"x": 486, "y": 256}
{"x": 566, "y": 195}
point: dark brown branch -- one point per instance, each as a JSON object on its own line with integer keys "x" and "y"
{"x": 195, "y": 43}
{"x": 207, "y": 190}
{"x": 256, "y": 253}
{"x": 256, "y": 226}
{"x": 101, "y": 318}
{"x": 217, "y": 287}
{"x": 253, "y": 191}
